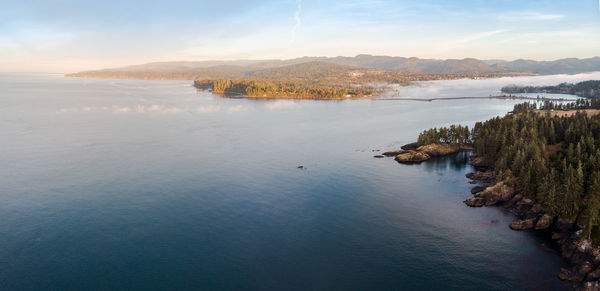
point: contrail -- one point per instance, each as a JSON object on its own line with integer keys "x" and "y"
{"x": 298, "y": 20}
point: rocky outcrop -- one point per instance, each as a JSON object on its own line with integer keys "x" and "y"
{"x": 584, "y": 258}
{"x": 479, "y": 162}
{"x": 492, "y": 195}
{"x": 411, "y": 146}
{"x": 513, "y": 201}
{"x": 394, "y": 153}
{"x": 412, "y": 153}
{"x": 593, "y": 276}
{"x": 486, "y": 176}
{"x": 591, "y": 286}
{"x": 477, "y": 189}
{"x": 564, "y": 224}
{"x": 536, "y": 209}
{"x": 544, "y": 222}
{"x": 523, "y": 224}
{"x": 475, "y": 202}
{"x": 438, "y": 150}
{"x": 577, "y": 273}
{"x": 497, "y": 193}
{"x": 522, "y": 207}
{"x": 410, "y": 157}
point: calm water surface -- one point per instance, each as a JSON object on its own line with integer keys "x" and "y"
{"x": 126, "y": 184}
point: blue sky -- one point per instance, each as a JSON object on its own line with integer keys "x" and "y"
{"x": 69, "y": 35}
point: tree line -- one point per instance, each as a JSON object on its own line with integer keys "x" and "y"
{"x": 455, "y": 135}
{"x": 282, "y": 89}
{"x": 585, "y": 89}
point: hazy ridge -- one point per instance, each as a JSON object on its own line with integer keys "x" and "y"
{"x": 235, "y": 69}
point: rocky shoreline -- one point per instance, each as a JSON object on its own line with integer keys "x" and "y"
{"x": 414, "y": 154}
{"x": 584, "y": 259}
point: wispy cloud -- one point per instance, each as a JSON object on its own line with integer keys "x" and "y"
{"x": 529, "y": 16}
{"x": 365, "y": 3}
{"x": 297, "y": 19}
{"x": 464, "y": 41}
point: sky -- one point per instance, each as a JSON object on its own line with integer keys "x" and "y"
{"x": 74, "y": 35}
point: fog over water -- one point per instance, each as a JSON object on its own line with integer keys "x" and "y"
{"x": 487, "y": 87}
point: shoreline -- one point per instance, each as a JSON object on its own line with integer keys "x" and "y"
{"x": 502, "y": 97}
{"x": 582, "y": 257}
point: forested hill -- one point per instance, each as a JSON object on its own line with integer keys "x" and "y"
{"x": 234, "y": 69}
{"x": 584, "y": 89}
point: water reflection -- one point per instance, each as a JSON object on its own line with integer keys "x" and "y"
{"x": 458, "y": 161}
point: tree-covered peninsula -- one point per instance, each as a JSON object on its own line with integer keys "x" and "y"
{"x": 585, "y": 89}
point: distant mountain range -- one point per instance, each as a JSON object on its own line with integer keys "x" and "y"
{"x": 243, "y": 68}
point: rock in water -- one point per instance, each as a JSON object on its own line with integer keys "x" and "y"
{"x": 565, "y": 275}
{"x": 379, "y": 157}
{"x": 394, "y": 153}
{"x": 544, "y": 222}
{"x": 486, "y": 176}
{"x": 412, "y": 157}
{"x": 410, "y": 146}
{"x": 522, "y": 224}
{"x": 475, "y": 202}
{"x": 477, "y": 189}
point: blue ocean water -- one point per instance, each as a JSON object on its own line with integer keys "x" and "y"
{"x": 140, "y": 185}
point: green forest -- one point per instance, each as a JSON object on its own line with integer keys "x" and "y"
{"x": 552, "y": 159}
